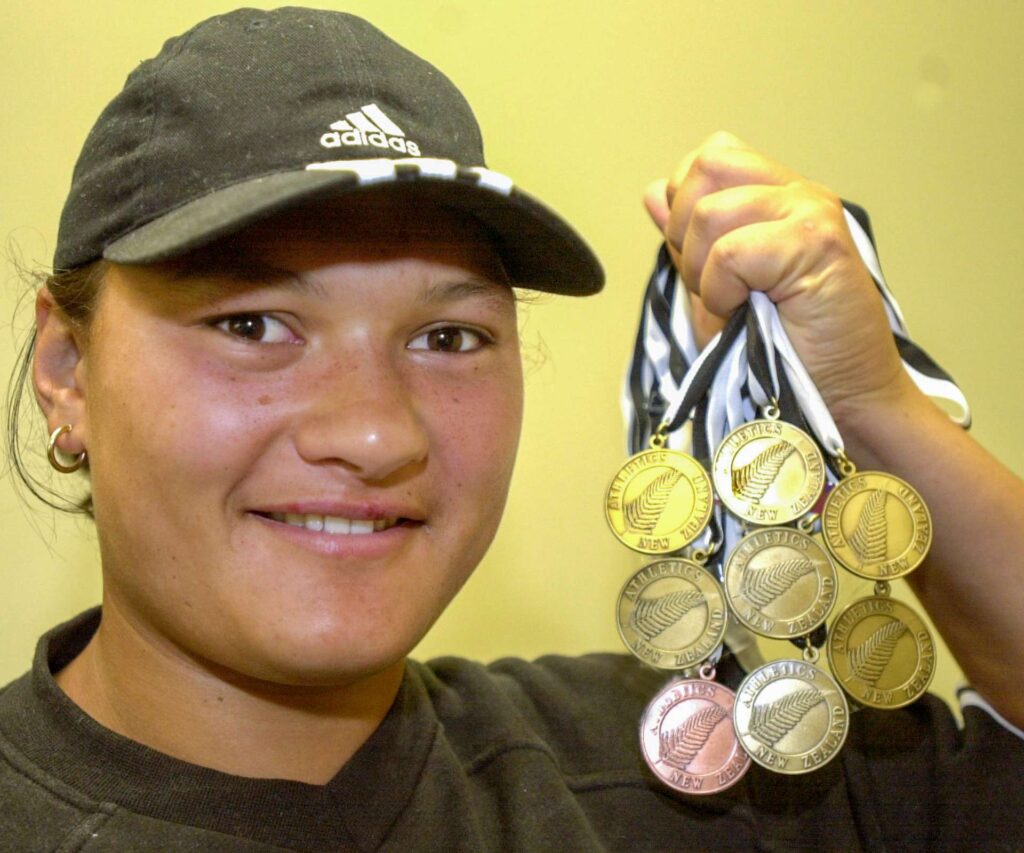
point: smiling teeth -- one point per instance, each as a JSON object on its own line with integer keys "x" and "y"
{"x": 334, "y": 524}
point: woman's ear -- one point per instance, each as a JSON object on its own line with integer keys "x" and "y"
{"x": 58, "y": 373}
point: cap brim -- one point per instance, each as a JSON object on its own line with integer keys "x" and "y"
{"x": 539, "y": 249}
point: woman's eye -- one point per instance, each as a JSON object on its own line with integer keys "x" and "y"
{"x": 449, "y": 339}
{"x": 256, "y": 327}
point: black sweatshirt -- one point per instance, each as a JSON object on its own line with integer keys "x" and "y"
{"x": 514, "y": 756}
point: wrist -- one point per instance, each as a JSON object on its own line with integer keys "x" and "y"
{"x": 877, "y": 427}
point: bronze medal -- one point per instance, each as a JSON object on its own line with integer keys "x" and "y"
{"x": 881, "y": 652}
{"x": 876, "y": 525}
{"x": 780, "y": 583}
{"x": 768, "y": 472}
{"x": 659, "y": 501}
{"x": 688, "y": 740}
{"x": 671, "y": 614}
{"x": 791, "y": 716}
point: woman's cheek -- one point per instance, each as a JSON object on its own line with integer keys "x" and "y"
{"x": 477, "y": 431}
{"x": 185, "y": 416}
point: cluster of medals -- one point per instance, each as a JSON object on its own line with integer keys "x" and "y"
{"x": 779, "y": 579}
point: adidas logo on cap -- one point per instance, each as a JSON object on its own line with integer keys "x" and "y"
{"x": 369, "y": 127}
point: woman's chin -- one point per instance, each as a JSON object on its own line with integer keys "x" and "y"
{"x": 322, "y": 660}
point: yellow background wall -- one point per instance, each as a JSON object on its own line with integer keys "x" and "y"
{"x": 912, "y": 109}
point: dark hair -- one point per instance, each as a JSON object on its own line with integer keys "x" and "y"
{"x": 75, "y": 292}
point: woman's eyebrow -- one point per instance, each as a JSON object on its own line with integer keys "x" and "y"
{"x": 455, "y": 291}
{"x": 213, "y": 273}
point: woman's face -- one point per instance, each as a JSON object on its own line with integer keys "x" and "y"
{"x": 300, "y": 443}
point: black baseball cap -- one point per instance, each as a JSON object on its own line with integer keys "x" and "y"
{"x": 253, "y": 112}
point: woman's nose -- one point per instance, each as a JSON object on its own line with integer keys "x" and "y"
{"x": 362, "y": 416}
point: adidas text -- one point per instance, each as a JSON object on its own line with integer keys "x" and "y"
{"x": 334, "y": 139}
{"x": 369, "y": 126}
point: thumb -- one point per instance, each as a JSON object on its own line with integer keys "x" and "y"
{"x": 656, "y": 202}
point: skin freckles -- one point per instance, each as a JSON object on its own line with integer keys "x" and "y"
{"x": 373, "y": 377}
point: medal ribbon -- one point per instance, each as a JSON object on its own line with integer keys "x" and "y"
{"x": 750, "y": 365}
{"x": 665, "y": 349}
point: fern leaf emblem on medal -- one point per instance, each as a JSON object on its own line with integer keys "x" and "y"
{"x": 671, "y": 614}
{"x": 780, "y": 583}
{"x": 881, "y": 652}
{"x": 768, "y": 472}
{"x": 688, "y": 740}
{"x": 771, "y": 722}
{"x": 790, "y": 716}
{"x": 659, "y": 501}
{"x": 680, "y": 746}
{"x": 876, "y": 526}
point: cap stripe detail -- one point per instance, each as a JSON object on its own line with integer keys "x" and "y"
{"x": 367, "y": 171}
{"x": 434, "y": 167}
{"x": 493, "y": 180}
{"x": 381, "y": 169}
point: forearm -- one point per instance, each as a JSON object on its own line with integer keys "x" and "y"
{"x": 972, "y": 582}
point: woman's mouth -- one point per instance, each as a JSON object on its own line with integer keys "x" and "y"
{"x": 334, "y": 524}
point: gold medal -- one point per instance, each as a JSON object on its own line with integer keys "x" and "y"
{"x": 768, "y": 472}
{"x": 671, "y": 614}
{"x": 876, "y": 525}
{"x": 881, "y": 652}
{"x": 791, "y": 716}
{"x": 780, "y": 583}
{"x": 687, "y": 738}
{"x": 659, "y": 502}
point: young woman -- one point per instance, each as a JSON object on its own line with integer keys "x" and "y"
{"x": 287, "y": 359}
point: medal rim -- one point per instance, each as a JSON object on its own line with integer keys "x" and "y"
{"x": 723, "y": 483}
{"x": 780, "y": 636}
{"x": 689, "y": 461}
{"x": 836, "y": 689}
{"x": 738, "y": 749}
{"x": 842, "y": 683}
{"x": 831, "y": 499}
{"x": 718, "y": 636}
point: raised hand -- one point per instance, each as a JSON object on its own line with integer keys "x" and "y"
{"x": 736, "y": 221}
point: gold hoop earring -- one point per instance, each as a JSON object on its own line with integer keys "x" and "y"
{"x": 51, "y": 452}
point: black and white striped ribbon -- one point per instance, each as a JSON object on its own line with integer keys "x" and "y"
{"x": 666, "y": 362}
{"x": 665, "y": 351}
